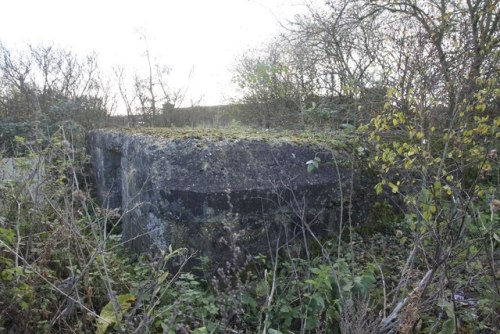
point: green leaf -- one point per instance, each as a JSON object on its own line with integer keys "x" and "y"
{"x": 495, "y": 236}
{"x": 315, "y": 270}
{"x": 19, "y": 139}
{"x": 311, "y": 282}
{"x": 319, "y": 301}
{"x": 347, "y": 286}
{"x": 249, "y": 300}
{"x": 347, "y": 126}
{"x": 311, "y": 323}
{"x": 24, "y": 305}
{"x": 313, "y": 165}
{"x": 274, "y": 331}
{"x": 200, "y": 330}
{"x": 108, "y": 316}
{"x": 6, "y": 236}
{"x": 163, "y": 277}
{"x": 448, "y": 327}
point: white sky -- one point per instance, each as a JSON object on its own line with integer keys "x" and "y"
{"x": 206, "y": 35}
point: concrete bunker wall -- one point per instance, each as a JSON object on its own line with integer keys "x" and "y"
{"x": 198, "y": 193}
{"x": 106, "y": 166}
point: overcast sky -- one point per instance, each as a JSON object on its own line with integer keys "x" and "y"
{"x": 206, "y": 35}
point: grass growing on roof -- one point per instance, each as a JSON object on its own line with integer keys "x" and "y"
{"x": 338, "y": 140}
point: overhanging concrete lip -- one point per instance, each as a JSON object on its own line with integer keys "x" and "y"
{"x": 184, "y": 183}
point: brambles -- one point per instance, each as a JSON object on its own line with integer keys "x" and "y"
{"x": 422, "y": 78}
{"x": 63, "y": 268}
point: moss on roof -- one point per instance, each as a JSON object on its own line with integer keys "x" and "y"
{"x": 339, "y": 140}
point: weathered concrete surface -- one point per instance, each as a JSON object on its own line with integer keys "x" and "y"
{"x": 210, "y": 193}
{"x": 23, "y": 175}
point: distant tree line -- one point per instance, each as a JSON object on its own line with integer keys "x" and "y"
{"x": 342, "y": 62}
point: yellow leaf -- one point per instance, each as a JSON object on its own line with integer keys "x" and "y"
{"x": 394, "y": 187}
{"x": 401, "y": 117}
{"x": 486, "y": 167}
{"x": 426, "y": 215}
{"x": 448, "y": 190}
{"x": 437, "y": 185}
{"x": 108, "y": 315}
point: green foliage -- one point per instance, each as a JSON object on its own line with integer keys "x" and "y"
{"x": 48, "y": 237}
{"x": 287, "y": 294}
{"x": 264, "y": 80}
{"x": 446, "y": 176}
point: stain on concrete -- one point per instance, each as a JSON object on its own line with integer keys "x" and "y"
{"x": 207, "y": 192}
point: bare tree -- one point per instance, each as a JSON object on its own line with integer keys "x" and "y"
{"x": 127, "y": 99}
{"x": 458, "y": 40}
{"x": 51, "y": 84}
{"x": 149, "y": 95}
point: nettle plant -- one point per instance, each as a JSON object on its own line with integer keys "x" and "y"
{"x": 448, "y": 174}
